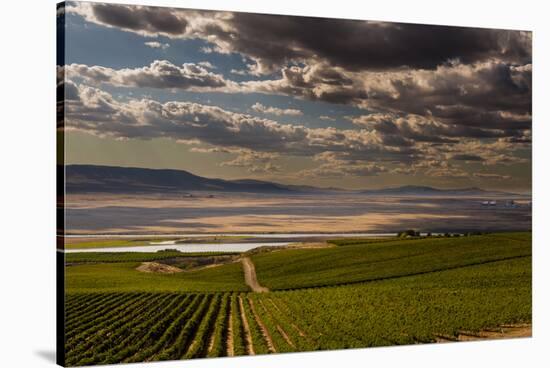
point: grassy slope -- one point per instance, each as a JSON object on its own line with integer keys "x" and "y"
{"x": 107, "y": 257}
{"x": 122, "y": 277}
{"x": 412, "y": 309}
{"x": 296, "y": 268}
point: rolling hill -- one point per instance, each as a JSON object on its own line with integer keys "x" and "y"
{"x": 113, "y": 179}
{"x": 110, "y": 179}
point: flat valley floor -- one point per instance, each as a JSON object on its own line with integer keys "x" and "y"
{"x": 241, "y": 212}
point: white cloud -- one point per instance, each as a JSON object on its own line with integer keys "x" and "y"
{"x": 239, "y": 72}
{"x": 482, "y": 100}
{"x": 97, "y": 112}
{"x": 275, "y": 110}
{"x": 159, "y": 74}
{"x": 157, "y": 45}
{"x": 206, "y": 64}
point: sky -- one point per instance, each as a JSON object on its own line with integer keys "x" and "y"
{"x": 298, "y": 100}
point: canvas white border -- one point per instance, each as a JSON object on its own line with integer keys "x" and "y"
{"x": 27, "y": 149}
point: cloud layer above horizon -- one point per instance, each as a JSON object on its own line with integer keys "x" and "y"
{"x": 309, "y": 100}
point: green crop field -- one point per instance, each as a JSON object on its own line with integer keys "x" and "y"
{"x": 358, "y": 262}
{"x": 123, "y": 277}
{"x": 412, "y": 309}
{"x": 357, "y": 295}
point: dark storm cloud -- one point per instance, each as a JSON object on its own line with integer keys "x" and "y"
{"x": 489, "y": 99}
{"x": 318, "y": 82}
{"x": 362, "y": 45}
{"x": 139, "y": 18}
{"x": 272, "y": 41}
{"x": 491, "y": 95}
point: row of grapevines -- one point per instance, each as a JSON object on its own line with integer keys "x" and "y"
{"x": 88, "y": 309}
{"x": 300, "y": 336}
{"x": 77, "y": 301}
{"x": 148, "y": 334}
{"x": 99, "y": 316}
{"x": 260, "y": 345}
{"x": 163, "y": 334}
{"x": 93, "y": 310}
{"x": 184, "y": 338}
{"x": 109, "y": 327}
{"x": 279, "y": 336}
{"x": 133, "y": 333}
{"x": 239, "y": 347}
{"x": 220, "y": 334}
{"x": 200, "y": 342}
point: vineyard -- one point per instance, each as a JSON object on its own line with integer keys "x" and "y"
{"x": 181, "y": 319}
{"x": 368, "y": 260}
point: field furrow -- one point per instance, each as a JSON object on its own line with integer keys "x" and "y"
{"x": 257, "y": 334}
{"x": 247, "y": 333}
{"x": 262, "y": 325}
{"x": 280, "y": 337}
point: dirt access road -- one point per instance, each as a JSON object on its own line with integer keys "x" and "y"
{"x": 502, "y": 332}
{"x": 250, "y": 276}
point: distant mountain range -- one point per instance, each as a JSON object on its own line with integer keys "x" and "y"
{"x": 112, "y": 179}
{"x": 415, "y": 190}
